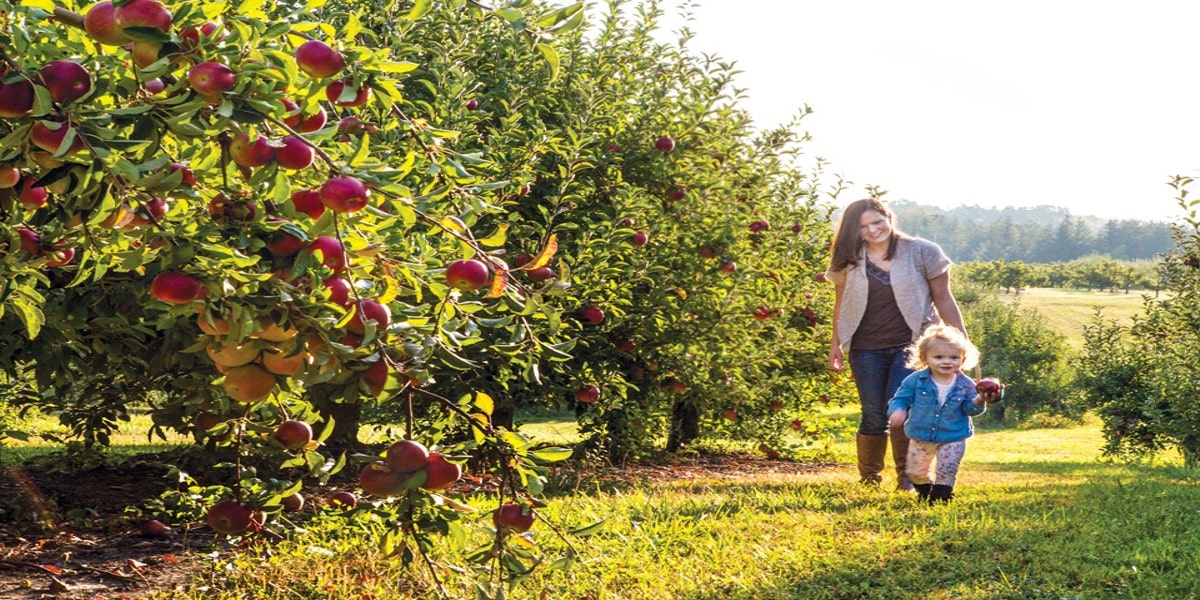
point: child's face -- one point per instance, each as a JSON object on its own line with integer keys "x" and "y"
{"x": 943, "y": 357}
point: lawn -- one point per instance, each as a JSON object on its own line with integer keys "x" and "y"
{"x": 1039, "y": 514}
{"x": 1068, "y": 310}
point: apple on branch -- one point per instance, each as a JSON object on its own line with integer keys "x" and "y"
{"x": 316, "y": 59}
{"x": 67, "y": 81}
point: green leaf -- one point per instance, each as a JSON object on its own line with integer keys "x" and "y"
{"x": 46, "y": 5}
{"x": 277, "y": 30}
{"x": 31, "y": 316}
{"x": 419, "y": 9}
{"x": 398, "y": 67}
{"x": 551, "y": 56}
{"x": 549, "y": 455}
{"x": 484, "y": 403}
{"x": 588, "y": 529}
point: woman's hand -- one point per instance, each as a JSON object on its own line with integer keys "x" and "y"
{"x": 897, "y": 418}
{"x": 835, "y": 358}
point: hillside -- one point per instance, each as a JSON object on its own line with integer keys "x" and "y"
{"x": 1041, "y": 234}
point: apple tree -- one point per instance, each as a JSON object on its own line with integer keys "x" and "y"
{"x": 239, "y": 216}
{"x": 688, "y": 244}
{"x": 1141, "y": 377}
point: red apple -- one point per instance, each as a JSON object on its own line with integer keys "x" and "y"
{"x": 729, "y": 414}
{"x": 316, "y": 59}
{"x": 343, "y": 500}
{"x": 16, "y": 98}
{"x": 30, "y": 241}
{"x": 282, "y": 244}
{"x": 513, "y": 518}
{"x": 295, "y": 154}
{"x": 796, "y": 228}
{"x": 639, "y": 239}
{"x": 59, "y": 257}
{"x": 155, "y": 86}
{"x": 292, "y": 503}
{"x": 988, "y": 386}
{"x": 193, "y": 37}
{"x": 380, "y": 480}
{"x": 308, "y": 202}
{"x": 821, "y": 278}
{"x": 706, "y": 252}
{"x": 339, "y": 290}
{"x": 293, "y": 434}
{"x": 155, "y": 529}
{"x": 341, "y": 94}
{"x": 176, "y": 288}
{"x": 776, "y": 406}
{"x": 728, "y": 266}
{"x": 440, "y": 473}
{"x": 797, "y": 425}
{"x": 143, "y": 13}
{"x": 592, "y": 314}
{"x": 187, "y": 177}
{"x": 626, "y": 222}
{"x": 10, "y": 176}
{"x": 664, "y": 144}
{"x": 301, "y": 122}
{"x": 407, "y": 456}
{"x": 370, "y": 310}
{"x": 626, "y": 346}
{"x": 333, "y": 255}
{"x": 344, "y": 194}
{"x": 677, "y": 193}
{"x": 258, "y": 153}
{"x": 100, "y": 23}
{"x": 354, "y": 126}
{"x": 588, "y": 394}
{"x": 467, "y": 275}
{"x": 212, "y": 78}
{"x": 145, "y": 53}
{"x": 67, "y": 81}
{"x": 541, "y": 273}
{"x": 375, "y": 377}
{"x": 31, "y": 198}
{"x": 49, "y": 139}
{"x": 231, "y": 516}
{"x": 472, "y": 104}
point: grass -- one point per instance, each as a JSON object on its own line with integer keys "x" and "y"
{"x": 1068, "y": 310}
{"x": 1038, "y": 515}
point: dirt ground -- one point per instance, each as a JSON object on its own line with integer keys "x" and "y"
{"x": 68, "y": 536}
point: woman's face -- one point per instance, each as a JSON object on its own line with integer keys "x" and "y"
{"x": 874, "y": 227}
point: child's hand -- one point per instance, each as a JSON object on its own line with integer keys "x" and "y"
{"x": 898, "y": 418}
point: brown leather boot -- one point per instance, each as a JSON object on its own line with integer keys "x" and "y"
{"x": 871, "y": 450}
{"x": 900, "y": 457}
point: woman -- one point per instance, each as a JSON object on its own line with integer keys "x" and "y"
{"x": 889, "y": 288}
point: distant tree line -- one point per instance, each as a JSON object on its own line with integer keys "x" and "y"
{"x": 1094, "y": 272}
{"x": 1032, "y": 235}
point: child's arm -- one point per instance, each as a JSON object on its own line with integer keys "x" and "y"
{"x": 899, "y": 405}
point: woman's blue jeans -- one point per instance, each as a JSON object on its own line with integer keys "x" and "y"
{"x": 877, "y": 375}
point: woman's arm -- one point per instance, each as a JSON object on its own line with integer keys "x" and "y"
{"x": 944, "y": 302}
{"x": 835, "y": 351}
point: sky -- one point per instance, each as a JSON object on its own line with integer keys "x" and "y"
{"x": 1087, "y": 105}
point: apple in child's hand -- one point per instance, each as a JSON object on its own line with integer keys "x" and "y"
{"x": 989, "y": 386}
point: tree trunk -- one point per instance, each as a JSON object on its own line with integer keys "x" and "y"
{"x": 685, "y": 425}
{"x": 347, "y": 418}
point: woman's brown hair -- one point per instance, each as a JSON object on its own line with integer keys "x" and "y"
{"x": 846, "y": 238}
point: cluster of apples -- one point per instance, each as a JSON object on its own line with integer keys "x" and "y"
{"x": 408, "y": 464}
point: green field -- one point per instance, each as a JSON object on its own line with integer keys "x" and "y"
{"x": 1068, "y": 311}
